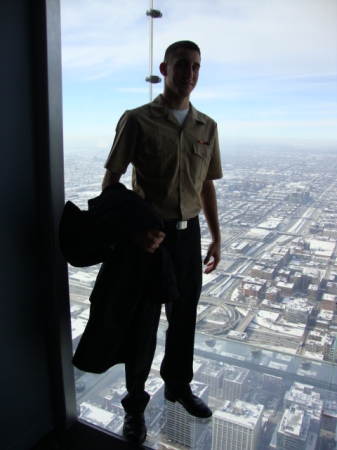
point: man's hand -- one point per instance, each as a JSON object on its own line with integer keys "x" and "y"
{"x": 148, "y": 241}
{"x": 209, "y": 205}
{"x": 213, "y": 257}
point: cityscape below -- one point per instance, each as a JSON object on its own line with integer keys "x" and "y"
{"x": 265, "y": 347}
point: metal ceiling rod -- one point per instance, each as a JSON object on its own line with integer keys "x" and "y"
{"x": 153, "y": 14}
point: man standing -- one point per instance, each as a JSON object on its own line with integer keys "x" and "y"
{"x": 175, "y": 155}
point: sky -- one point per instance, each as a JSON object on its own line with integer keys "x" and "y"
{"x": 268, "y": 67}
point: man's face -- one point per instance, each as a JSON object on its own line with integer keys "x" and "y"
{"x": 182, "y": 72}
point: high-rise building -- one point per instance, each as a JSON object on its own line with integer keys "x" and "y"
{"x": 181, "y": 427}
{"x": 237, "y": 426}
{"x": 212, "y": 376}
{"x": 306, "y": 398}
{"x": 298, "y": 310}
{"x": 272, "y": 383}
{"x": 234, "y": 382}
{"x": 329, "y": 347}
{"x": 321, "y": 343}
{"x": 329, "y": 416}
{"x": 293, "y": 431}
{"x": 329, "y": 302}
{"x": 272, "y": 294}
{"x": 285, "y": 288}
{"x": 313, "y": 291}
{"x": 331, "y": 288}
{"x": 155, "y": 388}
{"x": 263, "y": 271}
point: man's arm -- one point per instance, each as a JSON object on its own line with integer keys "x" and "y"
{"x": 109, "y": 178}
{"x": 210, "y": 207}
{"x": 149, "y": 240}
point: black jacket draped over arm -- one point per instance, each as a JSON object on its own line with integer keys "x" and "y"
{"x": 101, "y": 234}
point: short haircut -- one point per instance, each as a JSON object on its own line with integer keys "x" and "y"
{"x": 180, "y": 44}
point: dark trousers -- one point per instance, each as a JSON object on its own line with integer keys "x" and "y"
{"x": 184, "y": 248}
{"x": 140, "y": 354}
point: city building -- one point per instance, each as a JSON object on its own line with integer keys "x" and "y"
{"x": 306, "y": 398}
{"x": 234, "y": 383}
{"x": 322, "y": 343}
{"x": 237, "y": 336}
{"x": 263, "y": 272}
{"x": 324, "y": 320}
{"x": 329, "y": 350}
{"x": 273, "y": 259}
{"x": 286, "y": 289}
{"x": 155, "y": 388}
{"x": 293, "y": 430}
{"x": 329, "y": 416}
{"x": 251, "y": 290}
{"x": 297, "y": 280}
{"x": 237, "y": 426}
{"x": 258, "y": 234}
{"x": 313, "y": 291}
{"x": 298, "y": 310}
{"x": 240, "y": 247}
{"x": 330, "y": 232}
{"x": 271, "y": 383}
{"x": 182, "y": 428}
{"x": 272, "y": 294}
{"x": 253, "y": 280}
{"x": 331, "y": 287}
{"x": 96, "y": 415}
{"x": 282, "y": 252}
{"x": 284, "y": 274}
{"x": 212, "y": 375}
{"x": 329, "y": 302}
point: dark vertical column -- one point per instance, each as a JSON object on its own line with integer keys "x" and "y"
{"x": 49, "y": 159}
{"x": 36, "y": 378}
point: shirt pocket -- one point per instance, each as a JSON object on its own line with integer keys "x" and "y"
{"x": 151, "y": 146}
{"x": 201, "y": 156}
{"x": 154, "y": 157}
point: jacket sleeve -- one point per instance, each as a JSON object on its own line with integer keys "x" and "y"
{"x": 87, "y": 237}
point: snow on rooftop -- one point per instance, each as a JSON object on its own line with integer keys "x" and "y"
{"x": 95, "y": 415}
{"x": 271, "y": 223}
{"x": 77, "y": 327}
{"x": 83, "y": 277}
{"x": 240, "y": 412}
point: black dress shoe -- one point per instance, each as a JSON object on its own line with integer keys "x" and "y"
{"x": 134, "y": 428}
{"x": 192, "y": 403}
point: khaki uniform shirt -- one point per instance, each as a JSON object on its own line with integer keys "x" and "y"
{"x": 170, "y": 162}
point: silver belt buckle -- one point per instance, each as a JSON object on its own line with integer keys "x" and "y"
{"x": 181, "y": 225}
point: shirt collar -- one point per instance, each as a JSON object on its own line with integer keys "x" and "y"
{"x": 160, "y": 109}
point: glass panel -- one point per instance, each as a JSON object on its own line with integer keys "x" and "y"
{"x": 265, "y": 345}
{"x": 262, "y": 361}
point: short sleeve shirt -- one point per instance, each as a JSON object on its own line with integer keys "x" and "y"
{"x": 170, "y": 162}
